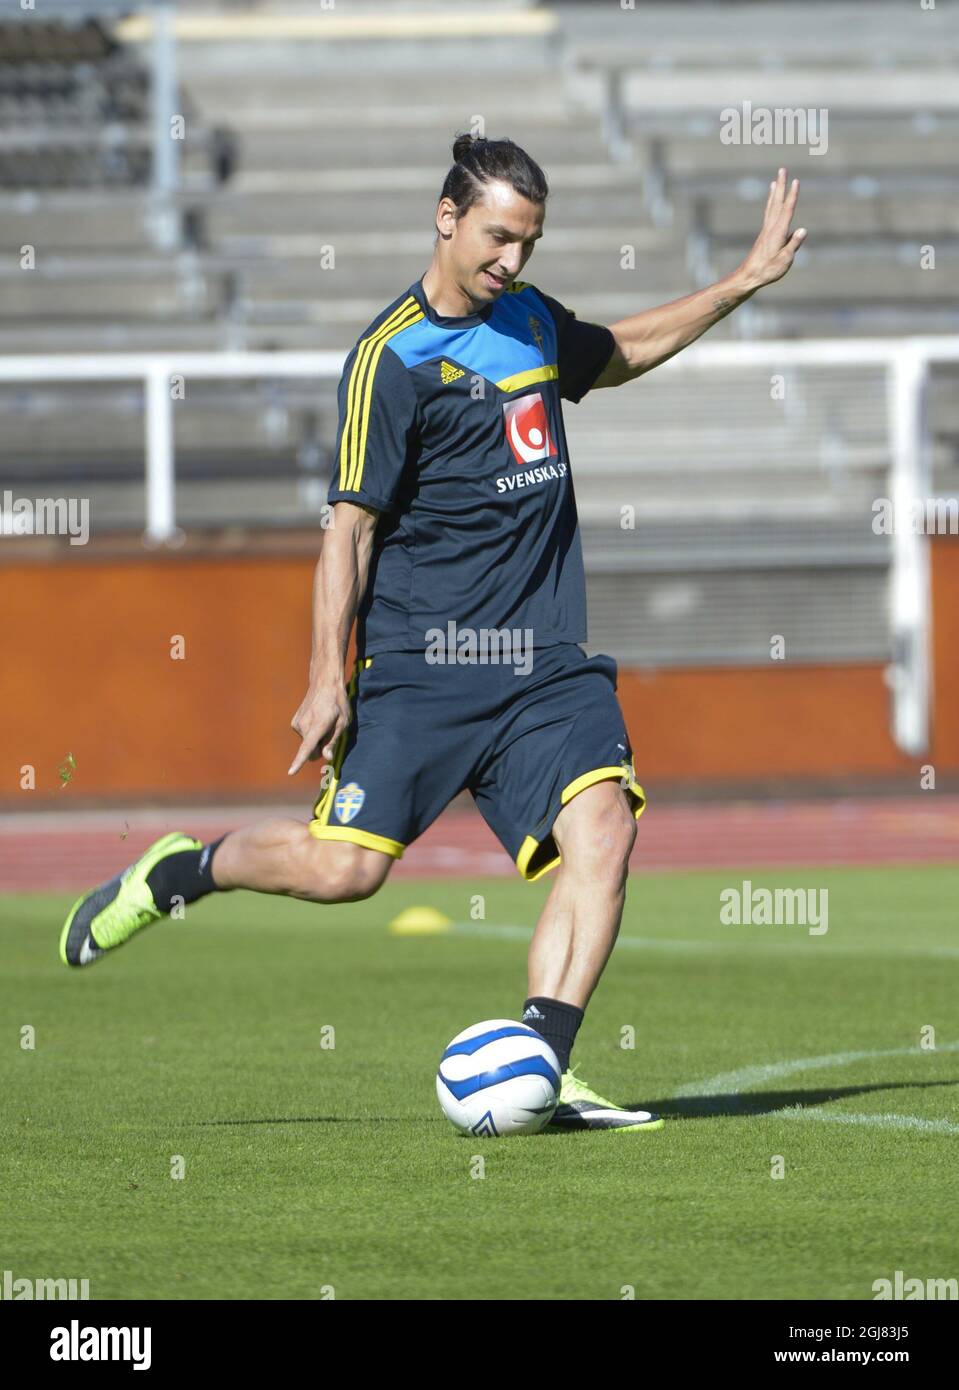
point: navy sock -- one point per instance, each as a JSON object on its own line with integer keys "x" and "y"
{"x": 187, "y": 875}
{"x": 555, "y": 1021}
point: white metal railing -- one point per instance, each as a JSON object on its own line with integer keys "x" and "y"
{"x": 907, "y": 362}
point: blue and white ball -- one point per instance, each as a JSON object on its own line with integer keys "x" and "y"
{"x": 498, "y": 1078}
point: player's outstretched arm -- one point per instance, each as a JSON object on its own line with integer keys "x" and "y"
{"x": 339, "y": 583}
{"x": 647, "y": 339}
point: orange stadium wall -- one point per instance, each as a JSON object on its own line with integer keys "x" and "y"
{"x": 87, "y": 673}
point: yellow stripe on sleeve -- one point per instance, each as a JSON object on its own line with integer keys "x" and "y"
{"x": 360, "y": 391}
{"x": 356, "y": 376}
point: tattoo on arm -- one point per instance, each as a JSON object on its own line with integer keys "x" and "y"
{"x": 722, "y": 306}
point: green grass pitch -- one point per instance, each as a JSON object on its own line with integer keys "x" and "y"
{"x": 309, "y": 1168}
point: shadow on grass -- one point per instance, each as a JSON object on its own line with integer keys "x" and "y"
{"x": 766, "y": 1102}
{"x": 327, "y": 1120}
{"x": 676, "y": 1107}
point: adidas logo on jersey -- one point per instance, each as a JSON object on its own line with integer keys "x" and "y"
{"x": 449, "y": 373}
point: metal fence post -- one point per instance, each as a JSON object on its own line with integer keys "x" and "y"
{"x": 161, "y": 526}
{"x": 910, "y": 597}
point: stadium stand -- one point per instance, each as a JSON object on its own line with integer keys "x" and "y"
{"x": 339, "y": 140}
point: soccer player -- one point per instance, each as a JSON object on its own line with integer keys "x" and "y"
{"x": 454, "y": 545}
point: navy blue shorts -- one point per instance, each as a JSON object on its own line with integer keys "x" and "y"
{"x": 524, "y": 743}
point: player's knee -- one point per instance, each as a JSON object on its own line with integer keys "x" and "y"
{"x": 343, "y": 872}
{"x": 615, "y": 836}
{"x": 598, "y": 844}
{"x": 358, "y": 874}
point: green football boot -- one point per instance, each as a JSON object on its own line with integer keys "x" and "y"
{"x": 581, "y": 1108}
{"x": 109, "y": 915}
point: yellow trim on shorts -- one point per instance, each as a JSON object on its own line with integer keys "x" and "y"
{"x": 322, "y": 831}
{"x": 324, "y": 802}
{"x": 634, "y": 794}
{"x": 527, "y": 849}
{"x": 604, "y": 774}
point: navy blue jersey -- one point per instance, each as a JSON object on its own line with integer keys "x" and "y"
{"x": 452, "y": 428}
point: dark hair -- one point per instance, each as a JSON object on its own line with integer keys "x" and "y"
{"x": 478, "y": 162}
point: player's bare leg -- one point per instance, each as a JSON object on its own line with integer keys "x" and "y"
{"x": 281, "y": 856}
{"x": 578, "y": 926}
{"x": 572, "y": 942}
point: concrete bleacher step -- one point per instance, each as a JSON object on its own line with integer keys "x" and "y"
{"x": 143, "y": 297}
{"x": 312, "y": 294}
{"x": 657, "y": 470}
{"x": 577, "y": 273}
{"x": 229, "y": 214}
{"x": 470, "y": 88}
{"x": 849, "y": 155}
{"x": 343, "y": 323}
{"x": 177, "y": 333}
{"x": 890, "y": 251}
{"x": 726, "y": 616}
{"x": 825, "y": 319}
{"x": 760, "y": 536}
{"x": 386, "y": 180}
{"x": 361, "y": 106}
{"x": 289, "y": 248}
{"x": 111, "y": 444}
{"x": 120, "y": 505}
{"x": 424, "y": 113}
{"x": 842, "y": 33}
{"x": 874, "y": 228}
{"x": 864, "y": 281}
{"x": 841, "y": 213}
{"x": 565, "y": 143}
{"x": 876, "y": 184}
{"x": 61, "y": 222}
{"x": 839, "y": 90}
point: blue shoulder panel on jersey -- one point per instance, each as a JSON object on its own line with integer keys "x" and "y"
{"x": 518, "y": 336}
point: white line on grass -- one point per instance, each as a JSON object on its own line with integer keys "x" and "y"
{"x": 732, "y": 1082}
{"x": 670, "y": 943}
{"x": 846, "y": 1117}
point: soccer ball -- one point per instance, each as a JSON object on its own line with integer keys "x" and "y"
{"x": 498, "y": 1078}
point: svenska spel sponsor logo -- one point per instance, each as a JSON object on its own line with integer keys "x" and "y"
{"x": 527, "y": 429}
{"x": 527, "y": 433}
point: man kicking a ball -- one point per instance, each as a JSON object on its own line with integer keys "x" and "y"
{"x": 454, "y": 525}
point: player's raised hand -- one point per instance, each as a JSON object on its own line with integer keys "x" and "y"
{"x": 323, "y": 715}
{"x": 775, "y": 248}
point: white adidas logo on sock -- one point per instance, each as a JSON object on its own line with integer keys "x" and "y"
{"x": 532, "y": 1012}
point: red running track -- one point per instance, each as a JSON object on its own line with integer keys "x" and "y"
{"x": 63, "y": 851}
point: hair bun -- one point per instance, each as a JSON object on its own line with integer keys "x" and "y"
{"x": 462, "y": 146}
